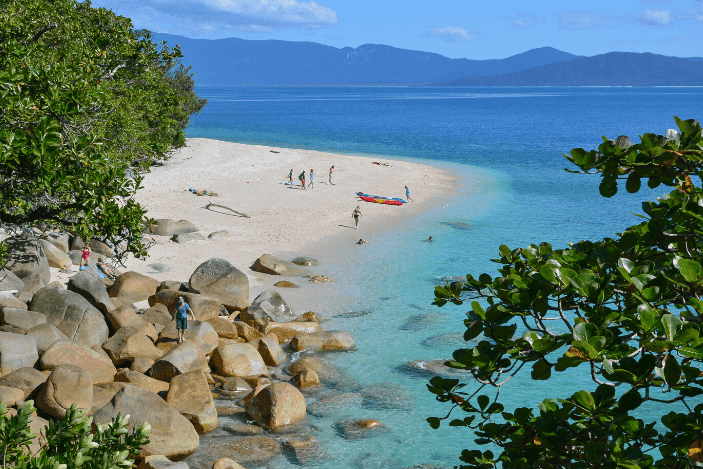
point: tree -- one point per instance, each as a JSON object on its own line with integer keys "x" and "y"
{"x": 625, "y": 311}
{"x": 83, "y": 98}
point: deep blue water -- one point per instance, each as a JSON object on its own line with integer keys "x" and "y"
{"x": 511, "y": 141}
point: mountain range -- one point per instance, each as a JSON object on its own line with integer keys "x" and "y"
{"x": 235, "y": 62}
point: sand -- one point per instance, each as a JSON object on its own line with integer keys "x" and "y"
{"x": 283, "y": 219}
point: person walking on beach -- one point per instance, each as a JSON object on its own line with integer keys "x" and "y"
{"x": 331, "y": 169}
{"x": 290, "y": 177}
{"x": 85, "y": 256}
{"x": 356, "y": 214}
{"x": 407, "y": 194}
{"x": 312, "y": 178}
{"x": 182, "y": 311}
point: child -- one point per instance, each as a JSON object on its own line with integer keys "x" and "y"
{"x": 182, "y": 310}
{"x": 85, "y": 256}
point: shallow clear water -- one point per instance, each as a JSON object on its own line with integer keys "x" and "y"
{"x": 511, "y": 140}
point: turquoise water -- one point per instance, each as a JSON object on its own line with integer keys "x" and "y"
{"x": 509, "y": 140}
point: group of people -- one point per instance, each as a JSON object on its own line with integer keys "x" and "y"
{"x": 301, "y": 178}
{"x": 103, "y": 268}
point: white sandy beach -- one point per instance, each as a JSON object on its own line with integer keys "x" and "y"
{"x": 250, "y": 179}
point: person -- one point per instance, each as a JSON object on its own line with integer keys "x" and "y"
{"x": 85, "y": 256}
{"x": 356, "y": 214}
{"x": 407, "y": 194}
{"x": 181, "y": 316}
{"x": 302, "y": 181}
{"x": 290, "y": 177}
{"x": 331, "y": 173}
{"x": 361, "y": 241}
{"x": 430, "y": 239}
{"x": 312, "y": 178}
{"x": 107, "y": 270}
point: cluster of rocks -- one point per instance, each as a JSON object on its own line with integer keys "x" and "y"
{"x": 165, "y": 230}
{"x": 88, "y": 345}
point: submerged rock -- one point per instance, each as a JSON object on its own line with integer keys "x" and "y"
{"x": 430, "y": 368}
{"x": 458, "y": 225}
{"x": 444, "y": 340}
{"x": 250, "y": 451}
{"x": 420, "y": 322}
{"x": 302, "y": 260}
{"x": 387, "y": 396}
{"x": 359, "y": 428}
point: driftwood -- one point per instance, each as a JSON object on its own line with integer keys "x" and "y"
{"x": 210, "y": 204}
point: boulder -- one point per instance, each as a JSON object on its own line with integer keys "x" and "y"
{"x": 325, "y": 340}
{"x": 236, "y": 387}
{"x": 120, "y": 317}
{"x": 172, "y": 435}
{"x": 92, "y": 289}
{"x": 190, "y": 395}
{"x": 185, "y": 357}
{"x": 238, "y": 360}
{"x": 141, "y": 365}
{"x": 96, "y": 247}
{"x": 188, "y": 238}
{"x": 103, "y": 393}
{"x": 256, "y": 317}
{"x": 219, "y": 234}
{"x": 172, "y": 285}
{"x": 158, "y": 314}
{"x": 226, "y": 463}
{"x": 11, "y": 396}
{"x": 268, "y": 264}
{"x": 251, "y": 451}
{"x": 224, "y": 328}
{"x": 359, "y": 428}
{"x": 45, "y": 335}
{"x": 60, "y": 241}
{"x": 21, "y": 318}
{"x": 306, "y": 378}
{"x": 10, "y": 282}
{"x": 388, "y": 396}
{"x": 67, "y": 385}
{"x": 333, "y": 404}
{"x": 219, "y": 279}
{"x": 274, "y": 305}
{"x": 25, "y": 256}
{"x": 277, "y": 406}
{"x": 55, "y": 256}
{"x": 168, "y": 227}
{"x": 160, "y": 461}
{"x": 203, "y": 306}
{"x": 129, "y": 343}
{"x": 141, "y": 380}
{"x": 246, "y": 331}
{"x": 120, "y": 302}
{"x": 32, "y": 284}
{"x": 69, "y": 352}
{"x": 305, "y": 261}
{"x": 12, "y": 302}
{"x": 16, "y": 351}
{"x": 71, "y": 314}
{"x": 29, "y": 380}
{"x": 133, "y": 287}
{"x": 271, "y": 352}
{"x": 309, "y": 317}
{"x": 286, "y": 331}
{"x": 285, "y": 284}
{"x": 199, "y": 332}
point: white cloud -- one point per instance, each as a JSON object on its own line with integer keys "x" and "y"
{"x": 584, "y": 20}
{"x": 520, "y": 21}
{"x": 210, "y": 16}
{"x": 656, "y": 17}
{"x": 450, "y": 34}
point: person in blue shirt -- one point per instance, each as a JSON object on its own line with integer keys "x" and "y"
{"x": 182, "y": 311}
{"x": 407, "y": 194}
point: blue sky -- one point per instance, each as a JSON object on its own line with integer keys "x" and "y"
{"x": 454, "y": 28}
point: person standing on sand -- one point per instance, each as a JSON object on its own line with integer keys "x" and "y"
{"x": 312, "y": 178}
{"x": 302, "y": 179}
{"x": 290, "y": 177}
{"x": 356, "y": 215}
{"x": 407, "y": 194}
{"x": 331, "y": 173}
{"x": 181, "y": 317}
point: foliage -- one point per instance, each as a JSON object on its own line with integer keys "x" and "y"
{"x": 69, "y": 443}
{"x": 83, "y": 97}
{"x": 626, "y": 311}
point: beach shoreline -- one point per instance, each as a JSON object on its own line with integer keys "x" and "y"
{"x": 285, "y": 221}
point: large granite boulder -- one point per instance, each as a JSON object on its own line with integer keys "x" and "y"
{"x": 29, "y": 380}
{"x": 103, "y": 393}
{"x": 11, "y": 302}
{"x": 32, "y": 284}
{"x": 247, "y": 332}
{"x": 21, "y": 318}
{"x": 306, "y": 379}
{"x": 9, "y": 281}
{"x": 158, "y": 314}
{"x": 11, "y": 396}
{"x": 45, "y": 335}
{"x": 256, "y": 317}
{"x": 224, "y": 328}
{"x": 60, "y": 241}
{"x": 190, "y": 395}
{"x": 69, "y": 352}
{"x": 96, "y": 246}
{"x": 325, "y": 340}
{"x": 203, "y": 306}
{"x": 134, "y": 287}
{"x": 286, "y": 331}
{"x": 71, "y": 314}
{"x": 185, "y": 357}
{"x": 25, "y": 256}
{"x": 141, "y": 380}
{"x": 16, "y": 351}
{"x": 172, "y": 435}
{"x": 55, "y": 256}
{"x": 67, "y": 385}
{"x": 241, "y": 360}
{"x": 219, "y": 279}
{"x": 270, "y": 351}
{"x": 272, "y": 265}
{"x": 277, "y": 406}
{"x": 199, "y": 332}
{"x": 274, "y": 305}
{"x": 168, "y": 227}
{"x": 92, "y": 289}
{"x": 129, "y": 343}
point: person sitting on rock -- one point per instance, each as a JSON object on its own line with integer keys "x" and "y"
{"x": 182, "y": 310}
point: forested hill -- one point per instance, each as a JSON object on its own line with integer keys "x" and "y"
{"x": 612, "y": 69}
{"x": 232, "y": 61}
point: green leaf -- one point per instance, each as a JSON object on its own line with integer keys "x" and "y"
{"x": 434, "y": 422}
{"x": 671, "y": 324}
{"x": 633, "y": 183}
{"x": 630, "y": 400}
{"x": 672, "y": 370}
{"x": 584, "y": 400}
{"x": 690, "y": 269}
{"x": 541, "y": 370}
{"x": 483, "y": 401}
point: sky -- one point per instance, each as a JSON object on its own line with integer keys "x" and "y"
{"x": 454, "y": 28}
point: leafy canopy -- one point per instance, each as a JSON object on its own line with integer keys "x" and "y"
{"x": 84, "y": 97}
{"x": 625, "y": 312}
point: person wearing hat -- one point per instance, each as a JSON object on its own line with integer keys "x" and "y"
{"x": 182, "y": 311}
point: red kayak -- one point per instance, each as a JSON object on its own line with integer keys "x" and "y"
{"x": 380, "y": 200}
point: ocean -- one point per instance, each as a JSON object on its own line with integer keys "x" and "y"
{"x": 508, "y": 142}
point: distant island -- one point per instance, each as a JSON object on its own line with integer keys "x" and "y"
{"x": 237, "y": 62}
